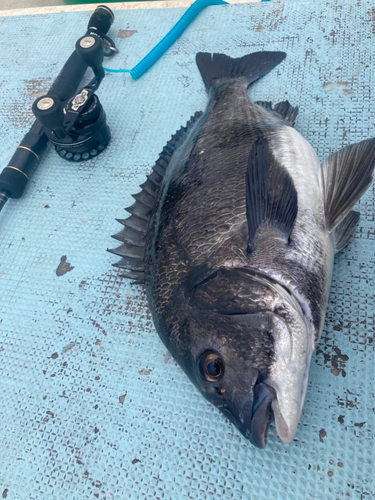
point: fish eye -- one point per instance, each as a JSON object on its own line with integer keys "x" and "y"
{"x": 211, "y": 366}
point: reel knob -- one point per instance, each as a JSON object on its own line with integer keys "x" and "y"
{"x": 90, "y": 48}
{"x": 48, "y": 110}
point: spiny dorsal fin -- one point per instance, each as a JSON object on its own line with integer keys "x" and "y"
{"x": 287, "y": 111}
{"x": 129, "y": 250}
{"x": 271, "y": 198}
{"x": 134, "y": 232}
{"x": 343, "y": 232}
{"x": 128, "y": 235}
{"x": 283, "y": 109}
{"x": 347, "y": 175}
{"x": 140, "y": 210}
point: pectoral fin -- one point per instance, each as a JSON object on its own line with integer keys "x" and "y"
{"x": 271, "y": 197}
{"x": 347, "y": 174}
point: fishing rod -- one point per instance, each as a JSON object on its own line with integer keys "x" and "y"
{"x": 74, "y": 122}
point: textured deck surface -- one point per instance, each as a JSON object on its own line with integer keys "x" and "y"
{"x": 91, "y": 404}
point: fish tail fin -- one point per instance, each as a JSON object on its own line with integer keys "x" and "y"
{"x": 219, "y": 68}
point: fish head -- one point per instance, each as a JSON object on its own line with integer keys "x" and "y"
{"x": 248, "y": 351}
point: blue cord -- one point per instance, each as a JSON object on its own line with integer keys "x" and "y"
{"x": 118, "y": 70}
{"x": 151, "y": 58}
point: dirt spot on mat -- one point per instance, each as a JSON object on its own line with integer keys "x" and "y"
{"x": 276, "y": 17}
{"x": 38, "y": 87}
{"x": 126, "y": 33}
{"x": 345, "y": 88}
{"x": 349, "y": 401}
{"x": 64, "y": 267}
{"x": 335, "y": 360}
{"x": 338, "y": 362}
{"x": 96, "y": 324}
{"x": 322, "y": 435}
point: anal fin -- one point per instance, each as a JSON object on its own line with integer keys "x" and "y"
{"x": 347, "y": 175}
{"x": 345, "y": 229}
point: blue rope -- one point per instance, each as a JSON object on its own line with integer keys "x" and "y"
{"x": 155, "y": 54}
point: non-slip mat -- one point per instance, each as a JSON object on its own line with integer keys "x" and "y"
{"x": 91, "y": 404}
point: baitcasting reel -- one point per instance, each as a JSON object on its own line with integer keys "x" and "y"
{"x": 74, "y": 121}
{"x": 78, "y": 128}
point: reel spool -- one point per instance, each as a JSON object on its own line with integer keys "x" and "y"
{"x": 86, "y": 138}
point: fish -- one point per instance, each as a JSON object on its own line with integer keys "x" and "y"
{"x": 234, "y": 234}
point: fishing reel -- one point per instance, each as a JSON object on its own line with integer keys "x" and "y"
{"x": 77, "y": 127}
{"x": 74, "y": 121}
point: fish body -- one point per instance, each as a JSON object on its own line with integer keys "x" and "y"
{"x": 234, "y": 235}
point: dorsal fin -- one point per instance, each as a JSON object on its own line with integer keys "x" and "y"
{"x": 347, "y": 175}
{"x": 283, "y": 109}
{"x": 271, "y": 198}
{"x": 133, "y": 234}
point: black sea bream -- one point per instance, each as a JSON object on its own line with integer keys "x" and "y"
{"x": 234, "y": 235}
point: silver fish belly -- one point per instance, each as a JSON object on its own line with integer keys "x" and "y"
{"x": 234, "y": 235}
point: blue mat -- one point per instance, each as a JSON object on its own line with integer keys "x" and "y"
{"x": 91, "y": 404}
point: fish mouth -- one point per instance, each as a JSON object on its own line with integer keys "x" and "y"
{"x": 264, "y": 396}
{"x": 253, "y": 422}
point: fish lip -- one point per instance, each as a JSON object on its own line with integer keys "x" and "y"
{"x": 264, "y": 396}
{"x": 285, "y": 433}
